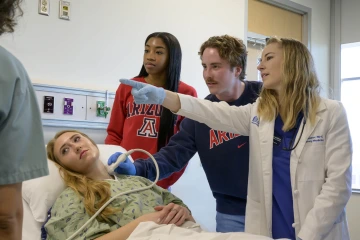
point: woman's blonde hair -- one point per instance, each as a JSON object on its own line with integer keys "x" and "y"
{"x": 95, "y": 193}
{"x": 300, "y": 86}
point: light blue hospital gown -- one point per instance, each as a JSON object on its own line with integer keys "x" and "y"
{"x": 22, "y": 147}
{"x": 68, "y": 213}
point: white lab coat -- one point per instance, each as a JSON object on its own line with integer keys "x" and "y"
{"x": 320, "y": 166}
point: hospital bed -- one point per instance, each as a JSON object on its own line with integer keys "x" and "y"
{"x": 41, "y": 193}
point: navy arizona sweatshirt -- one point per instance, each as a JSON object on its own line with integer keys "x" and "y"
{"x": 224, "y": 156}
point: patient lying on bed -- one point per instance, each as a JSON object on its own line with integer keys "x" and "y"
{"x": 90, "y": 186}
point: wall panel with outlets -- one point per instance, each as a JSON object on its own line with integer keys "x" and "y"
{"x": 82, "y": 102}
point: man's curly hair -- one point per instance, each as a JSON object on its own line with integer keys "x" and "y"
{"x": 9, "y": 9}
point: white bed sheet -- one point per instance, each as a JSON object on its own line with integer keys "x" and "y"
{"x": 31, "y": 228}
{"x": 153, "y": 231}
{"x": 148, "y": 231}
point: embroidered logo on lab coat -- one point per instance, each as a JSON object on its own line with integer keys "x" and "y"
{"x": 255, "y": 121}
{"x": 314, "y": 139}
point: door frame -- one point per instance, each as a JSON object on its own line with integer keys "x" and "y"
{"x": 304, "y": 11}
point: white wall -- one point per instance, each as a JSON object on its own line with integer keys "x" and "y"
{"x": 104, "y": 41}
{"x": 320, "y": 39}
{"x": 350, "y": 21}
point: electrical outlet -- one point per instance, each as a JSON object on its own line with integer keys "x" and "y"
{"x": 64, "y": 10}
{"x": 44, "y": 7}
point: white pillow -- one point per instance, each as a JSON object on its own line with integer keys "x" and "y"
{"x": 41, "y": 193}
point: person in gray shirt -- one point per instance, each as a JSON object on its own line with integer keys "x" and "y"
{"x": 22, "y": 147}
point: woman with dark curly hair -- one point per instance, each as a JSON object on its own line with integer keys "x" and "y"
{"x": 22, "y": 147}
{"x": 9, "y": 9}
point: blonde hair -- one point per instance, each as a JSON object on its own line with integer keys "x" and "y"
{"x": 300, "y": 86}
{"x": 95, "y": 193}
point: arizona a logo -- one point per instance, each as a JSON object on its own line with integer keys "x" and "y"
{"x": 148, "y": 128}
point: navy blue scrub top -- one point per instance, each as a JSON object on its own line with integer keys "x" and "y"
{"x": 282, "y": 207}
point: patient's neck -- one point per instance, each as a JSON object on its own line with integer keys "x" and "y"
{"x": 99, "y": 172}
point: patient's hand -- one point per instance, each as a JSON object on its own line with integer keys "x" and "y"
{"x": 156, "y": 217}
{"x": 175, "y": 214}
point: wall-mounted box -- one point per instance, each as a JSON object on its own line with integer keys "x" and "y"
{"x": 64, "y": 10}
{"x": 91, "y": 114}
{"x": 44, "y": 7}
{"x": 84, "y": 107}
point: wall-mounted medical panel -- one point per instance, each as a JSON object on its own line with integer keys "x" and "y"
{"x": 78, "y": 104}
{"x": 72, "y": 107}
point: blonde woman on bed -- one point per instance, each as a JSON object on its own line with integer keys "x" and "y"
{"x": 90, "y": 186}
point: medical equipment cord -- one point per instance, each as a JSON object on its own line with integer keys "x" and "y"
{"x": 121, "y": 159}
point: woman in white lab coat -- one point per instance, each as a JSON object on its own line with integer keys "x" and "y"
{"x": 300, "y": 146}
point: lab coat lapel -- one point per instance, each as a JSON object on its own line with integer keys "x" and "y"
{"x": 266, "y": 135}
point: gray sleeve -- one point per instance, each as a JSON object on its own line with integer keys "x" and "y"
{"x": 22, "y": 148}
